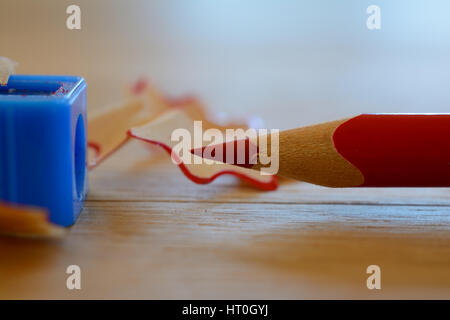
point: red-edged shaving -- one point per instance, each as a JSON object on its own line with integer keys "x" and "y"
{"x": 110, "y": 130}
{"x": 267, "y": 183}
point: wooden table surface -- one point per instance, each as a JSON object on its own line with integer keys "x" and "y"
{"x": 148, "y": 232}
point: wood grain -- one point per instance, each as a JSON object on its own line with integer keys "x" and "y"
{"x": 228, "y": 241}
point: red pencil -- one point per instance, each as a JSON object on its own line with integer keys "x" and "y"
{"x": 369, "y": 150}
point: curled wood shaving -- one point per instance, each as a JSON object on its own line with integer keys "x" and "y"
{"x": 24, "y": 221}
{"x": 7, "y": 68}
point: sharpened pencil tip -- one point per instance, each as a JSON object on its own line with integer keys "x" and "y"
{"x": 242, "y": 153}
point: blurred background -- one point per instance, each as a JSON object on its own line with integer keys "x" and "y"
{"x": 291, "y": 62}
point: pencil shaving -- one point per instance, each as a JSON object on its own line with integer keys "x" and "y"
{"x": 139, "y": 118}
{"x": 29, "y": 222}
{"x": 158, "y": 132}
{"x": 7, "y": 68}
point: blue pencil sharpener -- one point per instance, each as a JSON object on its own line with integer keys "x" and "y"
{"x": 43, "y": 144}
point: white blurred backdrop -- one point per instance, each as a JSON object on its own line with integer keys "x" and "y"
{"x": 291, "y": 62}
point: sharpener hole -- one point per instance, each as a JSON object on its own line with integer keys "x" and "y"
{"x": 80, "y": 156}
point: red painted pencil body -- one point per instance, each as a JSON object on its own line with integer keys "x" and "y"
{"x": 397, "y": 150}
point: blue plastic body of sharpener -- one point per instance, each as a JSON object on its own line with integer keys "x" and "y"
{"x": 43, "y": 144}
